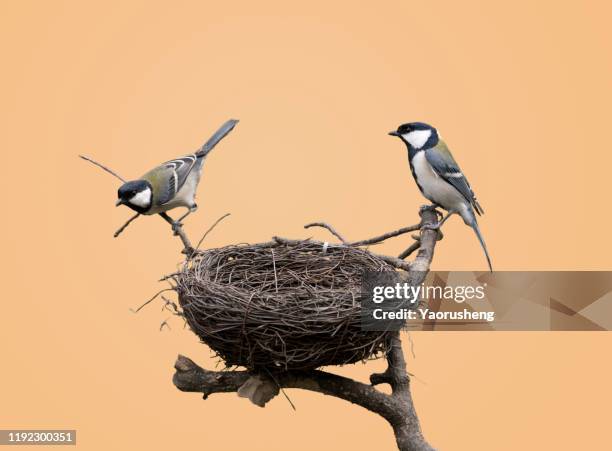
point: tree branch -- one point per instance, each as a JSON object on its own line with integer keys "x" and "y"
{"x": 127, "y": 223}
{"x": 376, "y": 239}
{"x": 420, "y": 266}
{"x": 190, "y": 377}
{"x": 405, "y": 424}
{"x": 410, "y": 250}
{"x": 188, "y": 249}
{"x": 210, "y": 230}
{"x": 396, "y": 262}
{"x": 397, "y": 408}
{"x": 385, "y": 236}
{"x": 101, "y": 166}
{"x": 328, "y": 227}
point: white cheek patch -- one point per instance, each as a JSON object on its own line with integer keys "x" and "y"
{"x": 417, "y": 138}
{"x": 142, "y": 199}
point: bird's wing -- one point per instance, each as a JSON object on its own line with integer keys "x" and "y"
{"x": 176, "y": 172}
{"x": 443, "y": 163}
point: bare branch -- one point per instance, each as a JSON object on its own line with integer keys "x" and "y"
{"x": 397, "y": 408}
{"x": 386, "y": 236}
{"x": 408, "y": 252}
{"x": 328, "y": 227}
{"x": 407, "y": 429}
{"x": 190, "y": 377}
{"x": 420, "y": 265}
{"x": 396, "y": 262}
{"x": 369, "y": 241}
{"x": 400, "y": 264}
{"x": 151, "y": 300}
{"x": 110, "y": 171}
{"x": 124, "y": 226}
{"x": 210, "y": 229}
{"x": 178, "y": 230}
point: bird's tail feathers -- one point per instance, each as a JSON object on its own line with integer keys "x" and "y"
{"x": 218, "y": 136}
{"x": 474, "y": 226}
{"x": 477, "y": 207}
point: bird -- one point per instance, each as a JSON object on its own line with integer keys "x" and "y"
{"x": 172, "y": 184}
{"x": 439, "y": 177}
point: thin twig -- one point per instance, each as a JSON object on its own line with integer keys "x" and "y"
{"x": 151, "y": 300}
{"x": 401, "y": 264}
{"x": 282, "y": 390}
{"x": 369, "y": 241}
{"x": 386, "y": 236}
{"x": 110, "y": 171}
{"x": 328, "y": 227}
{"x": 411, "y": 345}
{"x": 178, "y": 230}
{"x": 123, "y": 227}
{"x": 169, "y": 276}
{"x": 209, "y": 230}
{"x": 275, "y": 276}
{"x": 396, "y": 262}
{"x": 408, "y": 252}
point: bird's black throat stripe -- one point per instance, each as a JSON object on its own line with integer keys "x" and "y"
{"x": 411, "y": 153}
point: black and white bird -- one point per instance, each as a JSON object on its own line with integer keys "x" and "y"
{"x": 172, "y": 184}
{"x": 439, "y": 177}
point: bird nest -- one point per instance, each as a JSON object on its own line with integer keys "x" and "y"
{"x": 289, "y": 305}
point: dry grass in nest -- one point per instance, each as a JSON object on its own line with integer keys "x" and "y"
{"x": 281, "y": 305}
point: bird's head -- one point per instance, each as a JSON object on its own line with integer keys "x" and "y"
{"x": 417, "y": 135}
{"x": 136, "y": 194}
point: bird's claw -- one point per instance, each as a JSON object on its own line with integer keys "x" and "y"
{"x": 427, "y": 207}
{"x": 188, "y": 251}
{"x": 435, "y": 226}
{"x": 432, "y": 207}
{"x": 176, "y": 226}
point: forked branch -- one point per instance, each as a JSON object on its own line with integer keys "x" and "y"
{"x": 397, "y": 408}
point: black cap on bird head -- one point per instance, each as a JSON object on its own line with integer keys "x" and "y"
{"x": 417, "y": 135}
{"x": 136, "y": 194}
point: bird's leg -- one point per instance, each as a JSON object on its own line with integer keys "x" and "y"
{"x": 178, "y": 230}
{"x": 179, "y": 222}
{"x": 168, "y": 219}
{"x": 428, "y": 207}
{"x": 176, "y": 225}
{"x": 433, "y": 207}
{"x": 439, "y": 224}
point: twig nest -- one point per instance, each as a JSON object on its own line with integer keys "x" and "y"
{"x": 289, "y": 305}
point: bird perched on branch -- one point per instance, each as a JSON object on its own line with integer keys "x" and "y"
{"x": 439, "y": 177}
{"x": 172, "y": 184}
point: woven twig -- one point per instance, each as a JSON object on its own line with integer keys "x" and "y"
{"x": 284, "y": 304}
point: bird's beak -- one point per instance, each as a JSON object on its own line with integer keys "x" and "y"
{"x": 394, "y": 133}
{"x": 119, "y": 202}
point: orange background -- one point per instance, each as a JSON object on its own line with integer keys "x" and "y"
{"x": 520, "y": 90}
